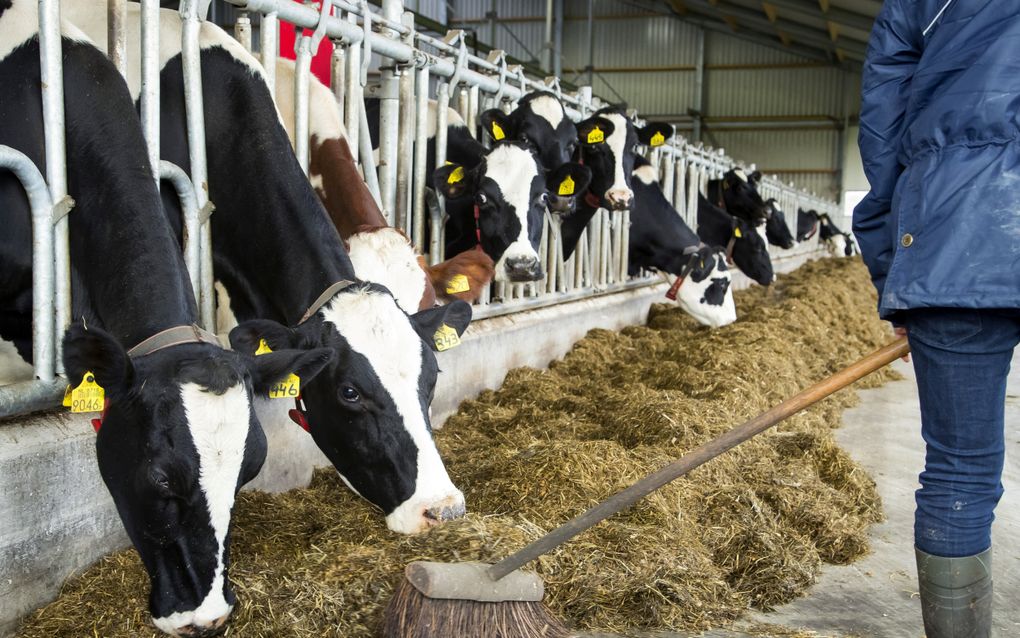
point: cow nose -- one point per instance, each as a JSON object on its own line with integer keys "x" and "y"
{"x": 523, "y": 269}
{"x": 619, "y": 198}
{"x": 204, "y": 630}
{"x": 448, "y": 510}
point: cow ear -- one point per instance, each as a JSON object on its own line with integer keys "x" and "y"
{"x": 456, "y": 315}
{"x": 569, "y": 180}
{"x": 96, "y": 351}
{"x": 655, "y": 133}
{"x": 248, "y": 336}
{"x": 453, "y": 180}
{"x": 594, "y": 131}
{"x": 497, "y": 124}
{"x": 273, "y": 367}
{"x": 754, "y": 177}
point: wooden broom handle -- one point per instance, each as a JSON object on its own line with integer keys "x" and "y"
{"x": 706, "y": 452}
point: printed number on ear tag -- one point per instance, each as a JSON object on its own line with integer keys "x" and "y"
{"x": 657, "y": 140}
{"x": 596, "y": 136}
{"x": 457, "y": 283}
{"x": 289, "y": 388}
{"x": 456, "y": 175}
{"x": 446, "y": 337}
{"x": 497, "y": 132}
{"x": 89, "y": 396}
{"x": 567, "y": 186}
{"x": 737, "y": 233}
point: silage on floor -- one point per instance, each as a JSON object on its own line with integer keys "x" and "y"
{"x": 748, "y": 529}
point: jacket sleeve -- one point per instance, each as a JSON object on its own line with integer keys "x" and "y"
{"x": 893, "y": 51}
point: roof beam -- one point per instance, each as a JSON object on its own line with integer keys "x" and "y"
{"x": 757, "y": 22}
{"x": 824, "y": 12}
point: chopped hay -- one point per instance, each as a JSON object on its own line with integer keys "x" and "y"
{"x": 748, "y": 529}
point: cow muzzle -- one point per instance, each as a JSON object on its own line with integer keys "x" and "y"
{"x": 203, "y": 630}
{"x": 560, "y": 205}
{"x": 421, "y": 514}
{"x": 523, "y": 268}
{"x": 619, "y": 198}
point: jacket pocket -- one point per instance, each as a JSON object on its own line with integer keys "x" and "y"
{"x": 943, "y": 327}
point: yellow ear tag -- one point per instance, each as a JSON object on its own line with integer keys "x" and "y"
{"x": 457, "y": 283}
{"x": 456, "y": 175}
{"x": 89, "y": 396}
{"x": 497, "y": 132}
{"x": 657, "y": 140}
{"x": 737, "y": 233}
{"x": 446, "y": 338}
{"x": 567, "y": 186}
{"x": 596, "y": 136}
{"x": 289, "y": 388}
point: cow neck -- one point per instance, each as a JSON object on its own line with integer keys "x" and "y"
{"x": 682, "y": 275}
{"x": 347, "y": 199}
{"x": 128, "y": 273}
{"x": 271, "y": 234}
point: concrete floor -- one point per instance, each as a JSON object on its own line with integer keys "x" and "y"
{"x": 876, "y": 597}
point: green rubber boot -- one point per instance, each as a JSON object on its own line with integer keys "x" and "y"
{"x": 956, "y": 595}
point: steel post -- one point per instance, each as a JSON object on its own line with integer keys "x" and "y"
{"x": 116, "y": 41}
{"x": 190, "y": 222}
{"x": 269, "y": 30}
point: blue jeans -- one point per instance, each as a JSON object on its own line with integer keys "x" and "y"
{"x": 961, "y": 358}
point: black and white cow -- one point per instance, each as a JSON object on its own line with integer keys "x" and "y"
{"x": 737, "y": 194}
{"x": 741, "y": 239}
{"x": 276, "y": 253}
{"x": 179, "y": 435}
{"x": 807, "y": 224}
{"x": 607, "y": 146}
{"x": 500, "y": 204}
{"x": 838, "y": 243}
{"x": 660, "y": 240}
{"x": 495, "y": 198}
{"x": 776, "y": 230}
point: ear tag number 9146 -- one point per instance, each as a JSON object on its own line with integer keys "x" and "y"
{"x": 289, "y": 388}
{"x": 445, "y": 338}
{"x": 89, "y": 396}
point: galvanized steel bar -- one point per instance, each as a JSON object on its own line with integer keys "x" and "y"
{"x": 406, "y": 137}
{"x": 52, "y": 76}
{"x": 353, "y": 98}
{"x": 116, "y": 40}
{"x": 44, "y": 330}
{"x": 269, "y": 30}
{"x": 242, "y": 30}
{"x": 389, "y": 115}
{"x": 338, "y": 79}
{"x": 367, "y": 164}
{"x": 30, "y": 396}
{"x": 195, "y": 114}
{"x": 191, "y": 222}
{"x": 149, "y": 99}
{"x": 420, "y": 156}
{"x": 302, "y": 76}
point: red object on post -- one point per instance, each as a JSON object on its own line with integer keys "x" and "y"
{"x": 321, "y": 59}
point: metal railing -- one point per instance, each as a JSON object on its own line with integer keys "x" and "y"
{"x": 413, "y": 68}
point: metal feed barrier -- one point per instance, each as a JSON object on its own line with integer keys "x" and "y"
{"x": 413, "y": 67}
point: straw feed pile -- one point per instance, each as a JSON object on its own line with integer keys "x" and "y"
{"x": 749, "y": 529}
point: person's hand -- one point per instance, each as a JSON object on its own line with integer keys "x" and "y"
{"x": 901, "y": 331}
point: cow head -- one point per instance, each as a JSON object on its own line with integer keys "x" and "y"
{"x": 706, "y": 293}
{"x": 509, "y": 191}
{"x": 751, "y": 253}
{"x": 540, "y": 121}
{"x": 776, "y": 230}
{"x": 608, "y": 140}
{"x": 368, "y": 410}
{"x": 176, "y": 442}
{"x": 740, "y": 196}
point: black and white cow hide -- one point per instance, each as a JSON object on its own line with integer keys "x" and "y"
{"x": 178, "y": 436}
{"x": 276, "y": 252}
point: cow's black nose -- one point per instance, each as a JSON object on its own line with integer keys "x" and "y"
{"x": 523, "y": 269}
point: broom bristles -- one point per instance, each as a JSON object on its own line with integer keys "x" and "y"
{"x": 411, "y": 614}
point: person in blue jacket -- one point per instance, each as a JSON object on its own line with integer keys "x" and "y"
{"x": 940, "y": 233}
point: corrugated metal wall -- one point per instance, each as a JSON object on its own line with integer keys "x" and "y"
{"x": 762, "y": 104}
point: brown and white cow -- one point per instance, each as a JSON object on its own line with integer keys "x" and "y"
{"x": 379, "y": 252}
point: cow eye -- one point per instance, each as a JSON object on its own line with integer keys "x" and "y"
{"x": 349, "y": 394}
{"x": 544, "y": 198}
{"x": 481, "y": 199}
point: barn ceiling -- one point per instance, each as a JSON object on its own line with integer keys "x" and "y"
{"x": 831, "y": 30}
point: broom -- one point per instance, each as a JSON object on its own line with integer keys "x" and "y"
{"x": 475, "y": 600}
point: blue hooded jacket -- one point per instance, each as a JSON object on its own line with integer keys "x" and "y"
{"x": 940, "y": 140}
